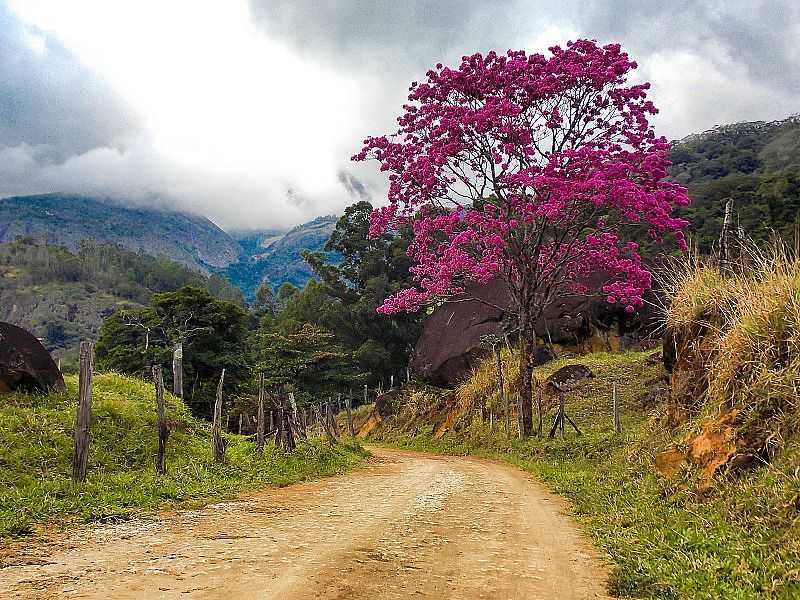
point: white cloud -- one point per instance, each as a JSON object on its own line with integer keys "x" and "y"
{"x": 225, "y": 111}
{"x": 696, "y": 91}
{"x": 248, "y": 111}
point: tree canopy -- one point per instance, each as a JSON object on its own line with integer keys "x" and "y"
{"x": 527, "y": 168}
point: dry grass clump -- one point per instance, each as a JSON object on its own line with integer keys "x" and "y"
{"x": 749, "y": 318}
{"x": 481, "y": 388}
{"x": 700, "y": 296}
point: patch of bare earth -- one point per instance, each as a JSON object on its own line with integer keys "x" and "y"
{"x": 410, "y": 526}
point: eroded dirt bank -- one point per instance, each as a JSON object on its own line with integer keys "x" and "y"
{"x": 409, "y": 526}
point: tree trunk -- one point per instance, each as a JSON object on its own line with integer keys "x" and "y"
{"x": 218, "y": 440}
{"x": 83, "y": 417}
{"x": 260, "y": 433}
{"x": 526, "y": 358}
{"x": 177, "y": 370}
{"x": 163, "y": 428}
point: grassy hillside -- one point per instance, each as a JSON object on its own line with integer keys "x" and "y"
{"x": 665, "y": 538}
{"x": 63, "y": 296}
{"x": 36, "y": 446}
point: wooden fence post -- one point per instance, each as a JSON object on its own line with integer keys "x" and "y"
{"x": 177, "y": 370}
{"x": 260, "y": 423}
{"x": 83, "y": 417}
{"x": 539, "y": 411}
{"x": 217, "y": 439}
{"x": 501, "y": 390}
{"x": 284, "y": 438}
{"x": 615, "y": 403}
{"x": 163, "y": 427}
{"x": 349, "y": 403}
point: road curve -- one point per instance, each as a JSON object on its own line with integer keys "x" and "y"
{"x": 409, "y": 526}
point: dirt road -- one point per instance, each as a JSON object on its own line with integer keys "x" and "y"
{"x": 409, "y": 526}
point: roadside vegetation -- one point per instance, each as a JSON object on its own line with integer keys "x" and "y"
{"x": 36, "y": 447}
{"x": 699, "y": 496}
{"x": 663, "y": 538}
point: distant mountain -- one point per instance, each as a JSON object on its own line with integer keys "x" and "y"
{"x": 246, "y": 258}
{"x": 276, "y": 258}
{"x": 756, "y": 164}
{"x": 64, "y": 220}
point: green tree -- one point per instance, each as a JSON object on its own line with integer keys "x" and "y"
{"x": 213, "y": 333}
{"x": 346, "y": 298}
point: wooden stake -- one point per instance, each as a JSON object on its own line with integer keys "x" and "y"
{"x": 260, "y": 433}
{"x": 501, "y": 391}
{"x": 163, "y": 427}
{"x": 615, "y": 403}
{"x": 177, "y": 370}
{"x": 539, "y": 412}
{"x": 83, "y": 417}
{"x": 217, "y": 439}
{"x": 349, "y": 403}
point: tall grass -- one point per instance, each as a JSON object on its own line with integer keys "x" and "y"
{"x": 747, "y": 319}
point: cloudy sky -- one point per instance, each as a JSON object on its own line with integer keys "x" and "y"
{"x": 248, "y": 112}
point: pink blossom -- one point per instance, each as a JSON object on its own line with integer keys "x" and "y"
{"x": 502, "y": 174}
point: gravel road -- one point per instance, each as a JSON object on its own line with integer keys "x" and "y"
{"x": 408, "y": 526}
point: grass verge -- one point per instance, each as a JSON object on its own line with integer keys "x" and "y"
{"x": 36, "y": 448}
{"x": 739, "y": 540}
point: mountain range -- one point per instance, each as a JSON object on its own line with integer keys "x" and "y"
{"x": 246, "y": 258}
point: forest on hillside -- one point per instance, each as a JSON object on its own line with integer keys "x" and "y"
{"x": 321, "y": 341}
{"x": 757, "y": 165}
{"x": 63, "y": 296}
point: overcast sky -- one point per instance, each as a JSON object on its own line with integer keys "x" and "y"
{"x": 248, "y": 112}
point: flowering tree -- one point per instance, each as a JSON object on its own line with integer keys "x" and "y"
{"x": 527, "y": 169}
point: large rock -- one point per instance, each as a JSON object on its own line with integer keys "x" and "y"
{"x": 449, "y": 347}
{"x": 25, "y": 365}
{"x": 450, "y": 344}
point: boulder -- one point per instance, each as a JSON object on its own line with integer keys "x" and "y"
{"x": 384, "y": 404}
{"x": 25, "y": 364}
{"x": 450, "y": 345}
{"x": 568, "y": 378}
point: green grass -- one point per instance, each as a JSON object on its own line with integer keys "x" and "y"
{"x": 36, "y": 447}
{"x": 662, "y": 539}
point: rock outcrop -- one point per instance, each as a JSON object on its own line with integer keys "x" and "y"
{"x": 25, "y": 365}
{"x": 450, "y": 344}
